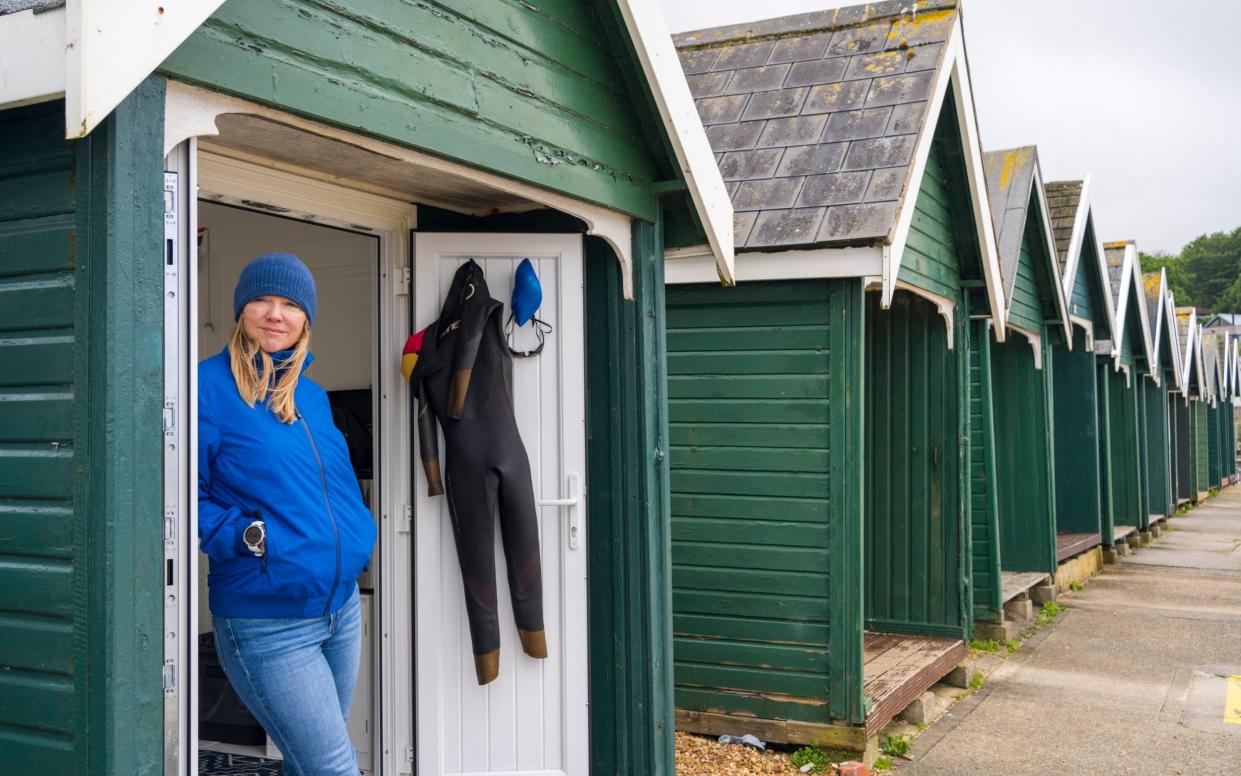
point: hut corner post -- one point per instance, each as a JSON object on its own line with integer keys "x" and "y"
{"x": 632, "y": 719}
{"x": 847, "y": 337}
{"x": 118, "y": 611}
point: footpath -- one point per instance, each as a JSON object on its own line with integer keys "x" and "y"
{"x": 1140, "y": 675}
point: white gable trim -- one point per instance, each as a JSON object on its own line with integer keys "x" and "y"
{"x": 954, "y": 71}
{"x": 1035, "y": 342}
{"x": 1130, "y": 279}
{"x": 653, "y": 44}
{"x": 1077, "y": 243}
{"x": 697, "y": 264}
{"x": 1191, "y": 351}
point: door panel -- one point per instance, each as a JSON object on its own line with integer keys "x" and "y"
{"x": 912, "y": 505}
{"x": 533, "y": 718}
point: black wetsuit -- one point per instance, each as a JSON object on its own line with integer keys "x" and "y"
{"x": 463, "y": 377}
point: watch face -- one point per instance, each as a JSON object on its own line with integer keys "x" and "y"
{"x": 253, "y": 535}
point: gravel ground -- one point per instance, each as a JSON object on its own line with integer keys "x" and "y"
{"x": 705, "y": 756}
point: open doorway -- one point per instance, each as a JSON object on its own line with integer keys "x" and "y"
{"x": 345, "y": 264}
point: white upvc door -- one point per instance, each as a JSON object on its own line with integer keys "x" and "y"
{"x": 533, "y": 719}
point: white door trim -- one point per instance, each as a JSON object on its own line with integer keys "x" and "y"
{"x": 236, "y": 182}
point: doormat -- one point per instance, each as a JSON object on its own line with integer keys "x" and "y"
{"x": 223, "y": 764}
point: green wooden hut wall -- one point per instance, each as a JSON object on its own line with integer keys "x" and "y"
{"x": 1126, "y": 462}
{"x": 987, "y": 593}
{"x": 1075, "y": 396}
{"x": 1158, "y": 446}
{"x": 1215, "y": 466}
{"x": 1201, "y": 452}
{"x": 1183, "y": 459}
{"x": 81, "y": 315}
{"x": 1107, "y": 440}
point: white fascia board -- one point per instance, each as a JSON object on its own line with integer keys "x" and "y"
{"x": 697, "y": 265}
{"x": 644, "y": 21}
{"x": 954, "y": 71}
{"x": 1191, "y": 352}
{"x": 1139, "y": 290}
{"x": 1122, "y": 302}
{"x": 1049, "y": 238}
{"x": 32, "y": 57}
{"x": 1077, "y": 238}
{"x": 111, "y": 45}
{"x": 1157, "y": 325}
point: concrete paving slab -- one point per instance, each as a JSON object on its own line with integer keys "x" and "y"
{"x": 1133, "y": 679}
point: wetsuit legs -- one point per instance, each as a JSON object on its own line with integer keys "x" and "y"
{"x": 472, "y": 508}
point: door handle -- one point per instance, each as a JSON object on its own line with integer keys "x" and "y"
{"x": 572, "y": 504}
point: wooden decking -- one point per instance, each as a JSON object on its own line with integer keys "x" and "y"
{"x": 1070, "y": 544}
{"x": 898, "y": 668}
{"x": 1122, "y": 532}
{"x": 1014, "y": 583}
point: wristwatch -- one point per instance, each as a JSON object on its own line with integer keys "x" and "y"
{"x": 254, "y": 537}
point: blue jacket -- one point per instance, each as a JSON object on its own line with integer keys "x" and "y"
{"x": 298, "y": 478}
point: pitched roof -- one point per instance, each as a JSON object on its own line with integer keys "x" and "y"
{"x": 1114, "y": 255}
{"x": 1063, "y": 198}
{"x": 38, "y": 6}
{"x": 814, "y": 117}
{"x": 1010, "y": 174}
{"x": 1152, "y": 292}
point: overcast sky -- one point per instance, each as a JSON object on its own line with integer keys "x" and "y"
{"x": 1140, "y": 94}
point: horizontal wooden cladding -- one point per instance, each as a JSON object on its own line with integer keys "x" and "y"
{"x": 747, "y": 654}
{"x": 733, "y": 340}
{"x": 767, "y": 606}
{"x": 727, "y": 557}
{"x": 763, "y": 459}
{"x": 766, "y": 362}
{"x": 755, "y": 629}
{"x": 747, "y": 411}
{"x": 36, "y": 245}
{"x": 741, "y": 483}
{"x": 36, "y": 643}
{"x": 508, "y": 86}
{"x": 36, "y": 585}
{"x": 37, "y": 528}
{"x": 36, "y": 357}
{"x": 748, "y": 580}
{"x": 35, "y": 751}
{"x": 748, "y": 507}
{"x": 36, "y": 700}
{"x": 36, "y": 414}
{"x": 689, "y": 528}
{"x": 748, "y": 434}
{"x": 772, "y": 386}
{"x": 36, "y": 471}
{"x": 39, "y": 301}
{"x": 752, "y": 704}
{"x": 765, "y": 680}
{"x": 931, "y": 260}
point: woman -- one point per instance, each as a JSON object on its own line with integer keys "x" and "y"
{"x": 282, "y": 519}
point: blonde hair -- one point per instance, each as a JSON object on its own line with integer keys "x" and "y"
{"x": 254, "y": 383}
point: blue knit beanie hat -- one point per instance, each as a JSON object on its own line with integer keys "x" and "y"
{"x": 276, "y": 274}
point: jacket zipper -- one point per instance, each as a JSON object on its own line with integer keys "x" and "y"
{"x": 326, "y": 502}
{"x": 262, "y": 558}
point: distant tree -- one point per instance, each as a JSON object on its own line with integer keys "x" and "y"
{"x": 1206, "y": 273}
{"x": 1213, "y": 262}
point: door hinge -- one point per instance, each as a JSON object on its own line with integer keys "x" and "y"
{"x": 406, "y": 519}
{"x": 402, "y": 278}
{"x": 406, "y": 764}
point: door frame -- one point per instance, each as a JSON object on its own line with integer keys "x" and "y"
{"x": 217, "y": 177}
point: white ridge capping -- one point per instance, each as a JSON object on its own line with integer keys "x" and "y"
{"x": 653, "y": 44}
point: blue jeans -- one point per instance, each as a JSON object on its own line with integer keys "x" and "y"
{"x": 296, "y": 675}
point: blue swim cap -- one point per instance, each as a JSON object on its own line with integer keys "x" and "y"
{"x": 527, "y": 292}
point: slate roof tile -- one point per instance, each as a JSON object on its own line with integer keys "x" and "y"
{"x": 838, "y": 188}
{"x": 857, "y": 124}
{"x": 38, "y": 6}
{"x": 742, "y": 165}
{"x": 816, "y": 71}
{"x": 799, "y": 48}
{"x": 820, "y": 151}
{"x": 708, "y": 84}
{"x": 1062, "y": 202}
{"x": 766, "y": 194}
{"x": 879, "y": 152}
{"x": 758, "y": 79}
{"x": 1010, "y": 175}
{"x": 734, "y": 137}
{"x": 893, "y": 90}
{"x": 812, "y": 159}
{"x": 784, "y": 227}
{"x": 796, "y": 130}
